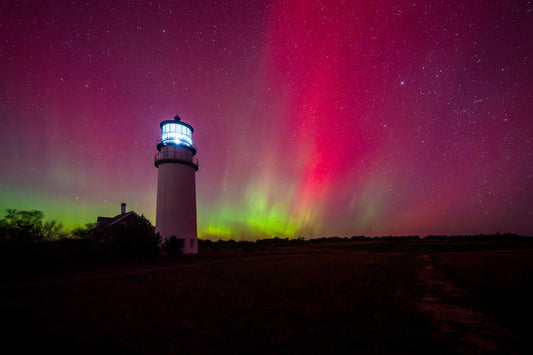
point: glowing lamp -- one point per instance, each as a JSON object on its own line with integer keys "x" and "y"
{"x": 176, "y": 132}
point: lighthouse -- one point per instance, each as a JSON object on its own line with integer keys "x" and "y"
{"x": 176, "y": 187}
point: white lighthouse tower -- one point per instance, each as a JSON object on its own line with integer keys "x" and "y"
{"x": 176, "y": 186}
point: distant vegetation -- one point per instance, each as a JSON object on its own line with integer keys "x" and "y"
{"x": 29, "y": 245}
{"x": 28, "y": 226}
{"x": 25, "y": 228}
{"x": 280, "y": 242}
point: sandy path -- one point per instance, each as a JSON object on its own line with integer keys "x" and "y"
{"x": 470, "y": 330}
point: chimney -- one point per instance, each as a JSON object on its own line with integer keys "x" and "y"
{"x": 123, "y": 208}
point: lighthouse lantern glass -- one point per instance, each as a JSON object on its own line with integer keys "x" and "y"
{"x": 175, "y": 133}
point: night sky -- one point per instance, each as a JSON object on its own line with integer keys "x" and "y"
{"x": 312, "y": 118}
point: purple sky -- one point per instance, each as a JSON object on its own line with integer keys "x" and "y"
{"x": 315, "y": 118}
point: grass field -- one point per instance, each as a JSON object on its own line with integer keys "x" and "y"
{"x": 350, "y": 297}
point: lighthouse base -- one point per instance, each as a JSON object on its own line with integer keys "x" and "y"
{"x": 176, "y": 204}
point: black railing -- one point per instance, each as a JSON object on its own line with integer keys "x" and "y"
{"x": 161, "y": 142}
{"x": 174, "y": 156}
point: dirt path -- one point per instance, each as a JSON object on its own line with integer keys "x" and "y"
{"x": 470, "y": 330}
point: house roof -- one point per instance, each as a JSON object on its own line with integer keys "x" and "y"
{"x": 109, "y": 221}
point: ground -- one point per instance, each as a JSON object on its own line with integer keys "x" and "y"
{"x": 347, "y": 297}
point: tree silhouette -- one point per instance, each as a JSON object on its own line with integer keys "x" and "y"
{"x": 87, "y": 231}
{"x": 52, "y": 230}
{"x": 28, "y": 226}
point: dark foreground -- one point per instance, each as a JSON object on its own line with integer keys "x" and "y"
{"x": 350, "y": 297}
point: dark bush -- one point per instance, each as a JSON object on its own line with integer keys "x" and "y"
{"x": 173, "y": 246}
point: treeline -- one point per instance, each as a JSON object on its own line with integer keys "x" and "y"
{"x": 282, "y": 242}
{"x": 478, "y": 237}
{"x": 30, "y": 246}
{"x": 467, "y": 237}
{"x": 27, "y": 232}
{"x": 28, "y": 226}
